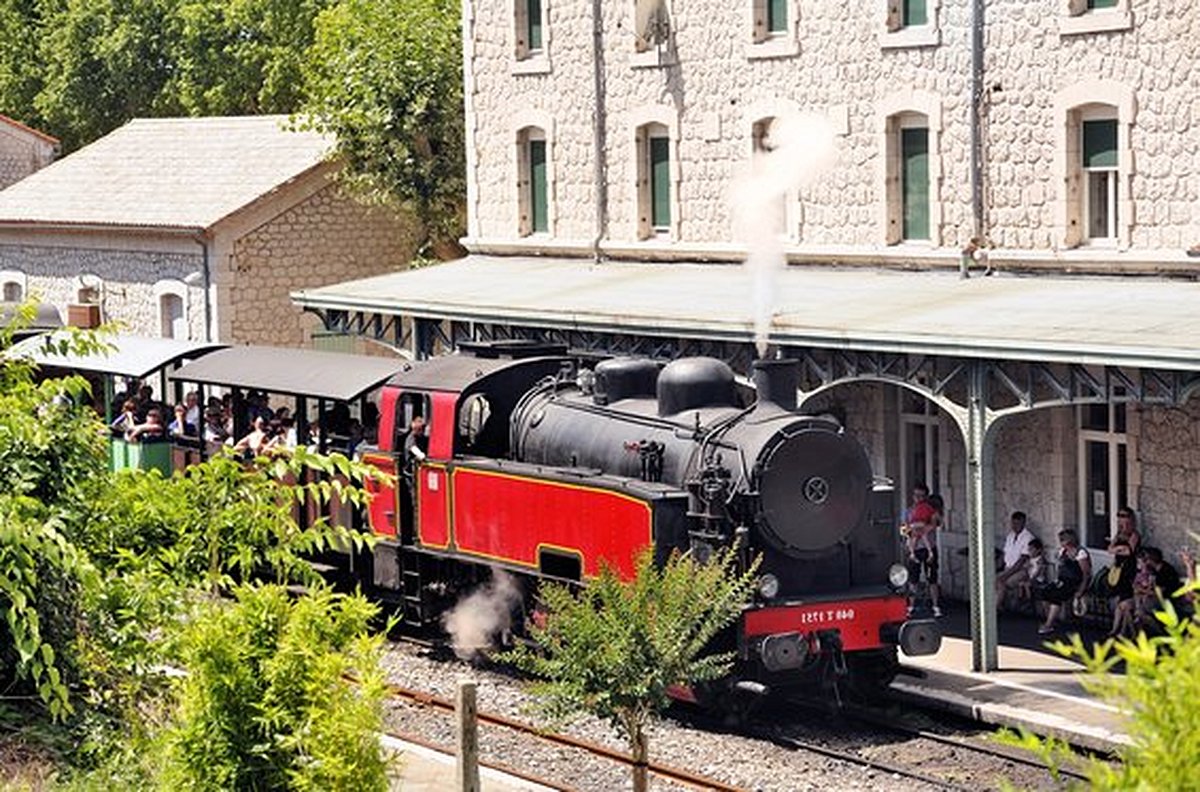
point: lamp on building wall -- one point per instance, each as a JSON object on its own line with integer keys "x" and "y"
{"x": 194, "y": 278}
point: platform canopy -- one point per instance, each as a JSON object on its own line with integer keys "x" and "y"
{"x": 1141, "y": 322}
{"x": 292, "y": 372}
{"x": 131, "y": 356}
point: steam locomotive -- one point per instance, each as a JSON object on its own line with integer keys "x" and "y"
{"x": 544, "y": 467}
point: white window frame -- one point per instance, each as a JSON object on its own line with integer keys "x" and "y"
{"x": 1091, "y": 99}
{"x": 765, "y": 43}
{"x": 895, "y": 111}
{"x": 648, "y": 120}
{"x": 1112, "y": 176}
{"x": 894, "y": 34}
{"x": 1115, "y": 440}
{"x": 1075, "y": 18}
{"x": 17, "y": 278}
{"x": 164, "y": 289}
{"x": 528, "y": 60}
{"x": 525, "y": 135}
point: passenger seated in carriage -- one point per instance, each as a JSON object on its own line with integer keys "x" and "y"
{"x": 152, "y": 429}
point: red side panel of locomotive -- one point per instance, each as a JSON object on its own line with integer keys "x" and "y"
{"x": 515, "y": 518}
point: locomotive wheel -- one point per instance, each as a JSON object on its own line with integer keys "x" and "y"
{"x": 870, "y": 674}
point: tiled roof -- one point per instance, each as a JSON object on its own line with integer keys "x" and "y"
{"x": 28, "y": 130}
{"x": 166, "y": 172}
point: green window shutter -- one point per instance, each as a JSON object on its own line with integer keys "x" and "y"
{"x": 914, "y": 13}
{"x": 777, "y": 16}
{"x": 539, "y": 218}
{"x": 1100, "y": 144}
{"x": 914, "y": 150}
{"x": 533, "y": 18}
{"x": 660, "y": 182}
{"x": 1093, "y": 4}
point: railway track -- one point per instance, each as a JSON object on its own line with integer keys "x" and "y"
{"x": 663, "y": 771}
{"x": 859, "y": 738}
{"x": 885, "y": 720}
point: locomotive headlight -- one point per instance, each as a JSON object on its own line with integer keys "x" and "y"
{"x": 898, "y": 576}
{"x": 768, "y": 586}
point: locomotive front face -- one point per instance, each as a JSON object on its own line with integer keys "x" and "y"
{"x": 813, "y": 484}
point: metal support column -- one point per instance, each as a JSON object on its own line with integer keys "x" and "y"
{"x": 981, "y": 546}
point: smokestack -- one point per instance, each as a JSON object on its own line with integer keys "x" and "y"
{"x": 776, "y": 382}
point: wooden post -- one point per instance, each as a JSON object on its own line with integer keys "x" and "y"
{"x": 468, "y": 737}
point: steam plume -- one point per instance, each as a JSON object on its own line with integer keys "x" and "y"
{"x": 476, "y": 620}
{"x": 796, "y": 149}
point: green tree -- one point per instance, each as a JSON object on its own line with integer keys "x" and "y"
{"x": 385, "y": 77}
{"x": 105, "y": 62}
{"x": 615, "y": 648}
{"x": 267, "y": 702}
{"x": 20, "y": 67}
{"x": 240, "y": 57}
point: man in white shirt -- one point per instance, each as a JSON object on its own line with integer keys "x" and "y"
{"x": 1016, "y": 557}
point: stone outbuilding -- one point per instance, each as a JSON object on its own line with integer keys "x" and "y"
{"x": 194, "y": 228}
{"x": 23, "y": 150}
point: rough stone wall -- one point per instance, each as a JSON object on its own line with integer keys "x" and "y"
{"x": 21, "y": 155}
{"x": 1168, "y": 456}
{"x": 840, "y": 69}
{"x": 127, "y": 295}
{"x": 325, "y": 239}
{"x": 1028, "y": 62}
{"x": 714, "y": 88}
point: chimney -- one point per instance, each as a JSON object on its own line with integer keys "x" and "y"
{"x": 776, "y": 382}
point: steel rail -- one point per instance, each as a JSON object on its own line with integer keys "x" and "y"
{"x": 663, "y": 771}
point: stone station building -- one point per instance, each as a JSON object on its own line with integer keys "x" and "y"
{"x": 193, "y": 228}
{"x": 23, "y": 150}
{"x": 1055, "y": 143}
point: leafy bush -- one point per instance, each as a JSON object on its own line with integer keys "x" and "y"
{"x": 615, "y": 648}
{"x": 1157, "y": 693}
{"x": 267, "y": 703}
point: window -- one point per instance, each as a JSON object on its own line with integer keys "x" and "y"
{"x": 170, "y": 312}
{"x": 652, "y": 33}
{"x": 910, "y": 160}
{"x": 14, "y": 284}
{"x": 911, "y": 23}
{"x": 1094, "y": 16}
{"x": 913, "y": 13}
{"x": 530, "y": 39}
{"x": 1099, "y": 148}
{"x": 1093, "y": 166}
{"x": 760, "y": 134}
{"x": 533, "y": 181}
{"x": 654, "y": 181}
{"x": 773, "y": 26}
{"x": 1104, "y": 470}
{"x": 172, "y": 308}
{"x": 914, "y": 181}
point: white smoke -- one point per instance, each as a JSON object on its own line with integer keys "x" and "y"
{"x": 476, "y": 620}
{"x": 797, "y": 148}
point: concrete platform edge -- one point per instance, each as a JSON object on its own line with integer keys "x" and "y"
{"x": 1040, "y": 723}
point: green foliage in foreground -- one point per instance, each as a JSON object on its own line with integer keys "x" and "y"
{"x": 1157, "y": 693}
{"x": 267, "y": 703}
{"x": 615, "y": 648}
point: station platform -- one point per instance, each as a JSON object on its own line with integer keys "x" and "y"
{"x": 1035, "y": 687}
